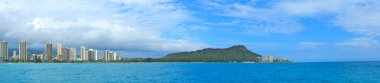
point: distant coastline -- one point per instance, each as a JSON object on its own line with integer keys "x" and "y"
{"x": 233, "y": 54}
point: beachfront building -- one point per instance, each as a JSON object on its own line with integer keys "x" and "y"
{"x": 88, "y": 54}
{"x": 59, "y": 51}
{"x": 72, "y": 53}
{"x": 118, "y": 57}
{"x": 92, "y": 54}
{"x": 23, "y": 51}
{"x": 107, "y": 55}
{"x": 267, "y": 59}
{"x": 4, "y": 50}
{"x": 111, "y": 56}
{"x": 114, "y": 56}
{"x": 49, "y": 51}
{"x": 69, "y": 54}
{"x": 35, "y": 57}
{"x": 83, "y": 53}
{"x": 38, "y": 57}
{"x": 14, "y": 55}
{"x": 65, "y": 54}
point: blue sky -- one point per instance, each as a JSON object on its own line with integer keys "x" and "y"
{"x": 304, "y": 30}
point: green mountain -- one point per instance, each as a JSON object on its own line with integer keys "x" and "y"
{"x": 238, "y": 53}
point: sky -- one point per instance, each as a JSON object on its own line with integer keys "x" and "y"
{"x": 303, "y": 30}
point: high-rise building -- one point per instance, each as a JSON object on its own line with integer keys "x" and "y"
{"x": 270, "y": 58}
{"x": 267, "y": 59}
{"x": 114, "y": 56}
{"x": 96, "y": 54}
{"x": 4, "y": 50}
{"x": 14, "y": 56}
{"x": 118, "y": 58}
{"x": 49, "y": 51}
{"x": 65, "y": 54}
{"x": 72, "y": 53}
{"x": 83, "y": 53}
{"x": 34, "y": 57}
{"x": 86, "y": 56}
{"x": 22, "y": 51}
{"x": 110, "y": 56}
{"x": 40, "y": 56}
{"x": 69, "y": 53}
{"x": 107, "y": 55}
{"x": 59, "y": 51}
{"x": 92, "y": 54}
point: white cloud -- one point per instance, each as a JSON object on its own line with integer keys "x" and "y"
{"x": 357, "y": 16}
{"x": 257, "y": 21}
{"x": 310, "y": 7}
{"x": 309, "y": 44}
{"x": 361, "y": 19}
{"x": 116, "y": 24}
{"x": 360, "y": 42}
{"x": 273, "y": 27}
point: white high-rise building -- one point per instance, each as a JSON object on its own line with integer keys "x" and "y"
{"x": 72, "y": 53}
{"x": 83, "y": 53}
{"x": 92, "y": 54}
{"x": 59, "y": 51}
{"x": 107, "y": 55}
{"x": 22, "y": 51}
{"x": 69, "y": 53}
{"x": 96, "y": 54}
{"x": 118, "y": 58}
{"x": 40, "y": 56}
{"x": 14, "y": 56}
{"x": 110, "y": 56}
{"x": 4, "y": 50}
{"x": 114, "y": 56}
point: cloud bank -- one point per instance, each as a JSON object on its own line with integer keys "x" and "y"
{"x": 124, "y": 25}
{"x": 285, "y": 17}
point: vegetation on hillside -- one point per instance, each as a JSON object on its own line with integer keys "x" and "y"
{"x": 238, "y": 53}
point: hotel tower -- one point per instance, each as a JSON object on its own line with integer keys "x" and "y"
{"x": 22, "y": 51}
{"x": 4, "y": 50}
{"x": 59, "y": 51}
{"x": 49, "y": 51}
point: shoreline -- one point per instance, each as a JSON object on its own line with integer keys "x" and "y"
{"x": 184, "y": 62}
{"x": 146, "y": 62}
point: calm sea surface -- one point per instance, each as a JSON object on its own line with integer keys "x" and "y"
{"x": 323, "y": 72}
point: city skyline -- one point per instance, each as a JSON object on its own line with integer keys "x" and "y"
{"x": 189, "y": 41}
{"x": 62, "y": 53}
{"x": 304, "y": 30}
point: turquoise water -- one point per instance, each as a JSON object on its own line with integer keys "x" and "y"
{"x": 343, "y": 72}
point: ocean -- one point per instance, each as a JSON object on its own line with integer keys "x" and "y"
{"x": 312, "y": 72}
